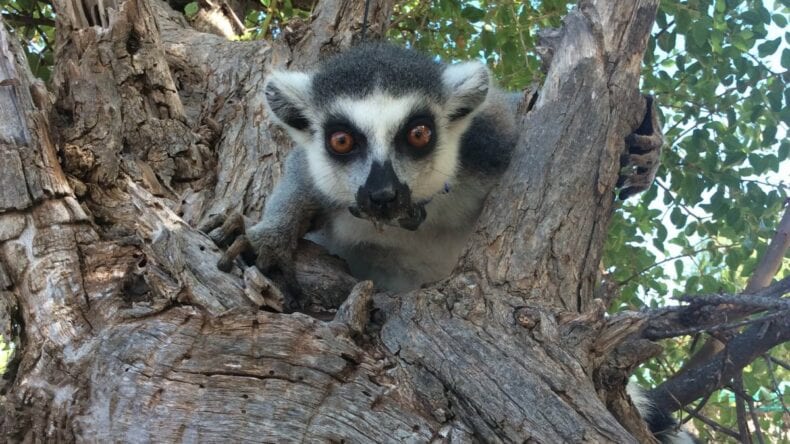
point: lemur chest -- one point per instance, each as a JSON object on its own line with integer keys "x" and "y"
{"x": 397, "y": 259}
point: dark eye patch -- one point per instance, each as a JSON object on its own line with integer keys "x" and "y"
{"x": 420, "y": 116}
{"x": 339, "y": 123}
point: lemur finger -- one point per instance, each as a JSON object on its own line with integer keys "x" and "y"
{"x": 640, "y": 144}
{"x": 214, "y": 221}
{"x": 634, "y": 184}
{"x": 278, "y": 265}
{"x": 239, "y": 246}
{"x": 229, "y": 230}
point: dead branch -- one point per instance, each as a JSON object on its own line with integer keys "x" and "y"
{"x": 762, "y": 276}
{"x": 688, "y": 385}
{"x": 714, "y": 312}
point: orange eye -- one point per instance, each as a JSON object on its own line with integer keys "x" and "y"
{"x": 419, "y": 136}
{"x": 341, "y": 142}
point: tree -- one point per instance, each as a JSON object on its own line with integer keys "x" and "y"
{"x": 128, "y": 331}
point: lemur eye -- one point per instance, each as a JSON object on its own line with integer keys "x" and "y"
{"x": 419, "y": 136}
{"x": 341, "y": 142}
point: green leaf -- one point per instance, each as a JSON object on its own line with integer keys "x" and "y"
{"x": 700, "y": 34}
{"x": 751, "y": 17}
{"x": 677, "y": 217}
{"x": 679, "y": 269}
{"x": 769, "y": 47}
{"x": 473, "y": 14}
{"x": 191, "y": 9}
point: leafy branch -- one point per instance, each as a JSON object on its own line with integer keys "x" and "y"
{"x": 740, "y": 351}
{"x": 672, "y": 258}
{"x": 27, "y": 20}
{"x": 714, "y": 312}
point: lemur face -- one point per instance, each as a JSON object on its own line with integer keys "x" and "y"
{"x": 381, "y": 127}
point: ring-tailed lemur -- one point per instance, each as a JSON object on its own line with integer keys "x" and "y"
{"x": 663, "y": 426}
{"x": 395, "y": 154}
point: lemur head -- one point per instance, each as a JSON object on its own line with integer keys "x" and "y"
{"x": 381, "y": 126}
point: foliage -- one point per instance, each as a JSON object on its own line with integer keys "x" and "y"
{"x": 718, "y": 69}
{"x": 33, "y": 21}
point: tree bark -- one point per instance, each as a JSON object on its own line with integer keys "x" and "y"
{"x": 130, "y": 333}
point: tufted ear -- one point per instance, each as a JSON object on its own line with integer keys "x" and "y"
{"x": 466, "y": 85}
{"x": 288, "y": 98}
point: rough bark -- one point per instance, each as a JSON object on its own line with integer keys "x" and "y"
{"x": 131, "y": 334}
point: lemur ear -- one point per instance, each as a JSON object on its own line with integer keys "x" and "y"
{"x": 288, "y": 98}
{"x": 467, "y": 87}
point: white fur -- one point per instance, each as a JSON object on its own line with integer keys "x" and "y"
{"x": 466, "y": 75}
{"x": 395, "y": 258}
{"x": 380, "y": 115}
{"x": 463, "y": 80}
{"x": 638, "y": 397}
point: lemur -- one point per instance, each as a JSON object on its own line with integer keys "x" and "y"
{"x": 395, "y": 154}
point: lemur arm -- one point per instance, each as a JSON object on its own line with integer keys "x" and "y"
{"x": 271, "y": 243}
{"x": 291, "y": 207}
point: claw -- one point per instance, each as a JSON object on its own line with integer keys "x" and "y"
{"x": 240, "y": 246}
{"x": 640, "y": 163}
{"x": 232, "y": 228}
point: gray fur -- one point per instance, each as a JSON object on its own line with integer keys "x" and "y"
{"x": 293, "y": 204}
{"x": 479, "y": 118}
{"x": 357, "y": 72}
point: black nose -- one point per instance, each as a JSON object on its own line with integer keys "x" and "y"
{"x": 383, "y": 195}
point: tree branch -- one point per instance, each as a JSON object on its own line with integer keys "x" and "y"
{"x": 712, "y": 312}
{"x": 744, "y": 300}
{"x": 27, "y": 20}
{"x": 740, "y": 411}
{"x": 693, "y": 383}
{"x": 779, "y": 362}
{"x": 772, "y": 259}
{"x": 740, "y": 393}
{"x": 762, "y": 276}
{"x": 777, "y": 391}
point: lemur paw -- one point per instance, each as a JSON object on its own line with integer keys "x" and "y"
{"x": 638, "y": 166}
{"x": 271, "y": 250}
{"x": 228, "y": 232}
{"x": 274, "y": 255}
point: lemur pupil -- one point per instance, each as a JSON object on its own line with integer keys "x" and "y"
{"x": 341, "y": 142}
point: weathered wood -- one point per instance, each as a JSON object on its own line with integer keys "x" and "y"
{"x": 549, "y": 248}
{"x": 131, "y": 332}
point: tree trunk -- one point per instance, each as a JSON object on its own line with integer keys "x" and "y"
{"x": 128, "y": 332}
